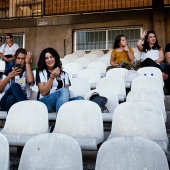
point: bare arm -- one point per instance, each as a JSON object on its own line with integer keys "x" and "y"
{"x": 45, "y": 87}
{"x": 29, "y": 74}
{"x": 139, "y": 43}
{"x": 161, "y": 56}
{"x": 129, "y": 53}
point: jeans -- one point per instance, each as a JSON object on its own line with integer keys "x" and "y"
{"x": 8, "y": 67}
{"x": 13, "y": 95}
{"x": 56, "y": 99}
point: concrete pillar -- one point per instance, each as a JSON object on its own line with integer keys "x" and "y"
{"x": 159, "y": 20}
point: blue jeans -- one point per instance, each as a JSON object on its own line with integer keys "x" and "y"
{"x": 56, "y": 99}
{"x": 13, "y": 95}
{"x": 8, "y": 67}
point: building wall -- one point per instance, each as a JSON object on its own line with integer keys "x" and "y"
{"x": 57, "y": 31}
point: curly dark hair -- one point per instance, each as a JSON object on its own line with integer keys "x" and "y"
{"x": 117, "y": 41}
{"x": 41, "y": 62}
{"x": 146, "y": 46}
{"x": 20, "y": 50}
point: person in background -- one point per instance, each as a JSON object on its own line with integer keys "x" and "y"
{"x": 152, "y": 53}
{"x": 17, "y": 83}
{"x": 7, "y": 53}
{"x": 0, "y": 41}
{"x": 122, "y": 55}
{"x": 52, "y": 81}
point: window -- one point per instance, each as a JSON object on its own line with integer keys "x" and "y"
{"x": 104, "y": 38}
{"x": 17, "y": 38}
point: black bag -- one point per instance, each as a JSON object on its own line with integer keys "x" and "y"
{"x": 100, "y": 100}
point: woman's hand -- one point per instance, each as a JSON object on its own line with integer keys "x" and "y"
{"x": 28, "y": 58}
{"x": 126, "y": 49}
{"x": 15, "y": 72}
{"x": 144, "y": 34}
{"x": 55, "y": 72}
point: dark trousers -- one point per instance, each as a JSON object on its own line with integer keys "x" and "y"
{"x": 149, "y": 63}
{"x": 13, "y": 95}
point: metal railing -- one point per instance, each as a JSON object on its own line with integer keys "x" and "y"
{"x": 35, "y": 8}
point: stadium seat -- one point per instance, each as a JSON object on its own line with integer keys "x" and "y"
{"x": 64, "y": 61}
{"x": 51, "y": 151}
{"x": 2, "y": 66}
{"x": 92, "y": 57}
{"x": 83, "y": 61}
{"x": 105, "y": 58}
{"x": 4, "y": 153}
{"x": 130, "y": 153}
{"x": 71, "y": 57}
{"x": 24, "y": 120}
{"x": 99, "y": 53}
{"x": 79, "y": 53}
{"x": 82, "y": 120}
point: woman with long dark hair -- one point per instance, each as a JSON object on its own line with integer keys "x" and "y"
{"x": 52, "y": 81}
{"x": 152, "y": 52}
{"x": 122, "y": 55}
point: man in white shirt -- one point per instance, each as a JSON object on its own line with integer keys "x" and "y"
{"x": 7, "y": 53}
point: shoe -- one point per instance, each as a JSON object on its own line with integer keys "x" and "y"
{"x": 165, "y": 76}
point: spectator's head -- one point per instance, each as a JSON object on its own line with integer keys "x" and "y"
{"x": 20, "y": 56}
{"x": 49, "y": 59}
{"x": 120, "y": 41}
{"x": 9, "y": 38}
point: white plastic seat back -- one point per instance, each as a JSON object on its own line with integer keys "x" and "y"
{"x": 99, "y": 53}
{"x": 24, "y": 120}
{"x": 73, "y": 67}
{"x": 151, "y": 71}
{"x": 115, "y": 83}
{"x": 130, "y": 153}
{"x": 2, "y": 66}
{"x": 98, "y": 65}
{"x": 148, "y": 83}
{"x": 79, "y": 53}
{"x": 91, "y": 75}
{"x": 71, "y": 57}
{"x": 150, "y": 96}
{"x": 83, "y": 61}
{"x": 51, "y": 151}
{"x": 4, "y": 153}
{"x": 92, "y": 57}
{"x": 79, "y": 87}
{"x": 110, "y": 94}
{"x": 64, "y": 61}
{"x": 137, "y": 56}
{"x": 105, "y": 58}
{"x": 139, "y": 118}
{"x": 82, "y": 120}
{"x": 117, "y": 72}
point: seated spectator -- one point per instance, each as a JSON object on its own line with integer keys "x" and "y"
{"x": 152, "y": 52}
{"x": 52, "y": 81}
{"x": 122, "y": 55}
{"x": 17, "y": 82}
{"x": 7, "y": 52}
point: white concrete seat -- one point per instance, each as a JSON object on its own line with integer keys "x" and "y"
{"x": 92, "y": 57}
{"x": 150, "y": 96}
{"x": 98, "y": 65}
{"x": 91, "y": 75}
{"x": 83, "y": 61}
{"x": 118, "y": 72}
{"x": 99, "y": 53}
{"x": 111, "y": 104}
{"x": 115, "y": 83}
{"x": 73, "y": 67}
{"x": 79, "y": 87}
{"x": 137, "y": 56}
{"x": 130, "y": 153}
{"x": 148, "y": 83}
{"x": 105, "y": 58}
{"x": 4, "y": 153}
{"x": 79, "y": 53}
{"x": 24, "y": 120}
{"x": 139, "y": 118}
{"x": 51, "y": 151}
{"x": 64, "y": 61}
{"x": 2, "y": 66}
{"x": 71, "y": 57}
{"x": 82, "y": 120}
{"x": 151, "y": 71}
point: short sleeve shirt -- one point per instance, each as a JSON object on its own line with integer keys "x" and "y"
{"x": 58, "y": 82}
{"x": 6, "y": 50}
